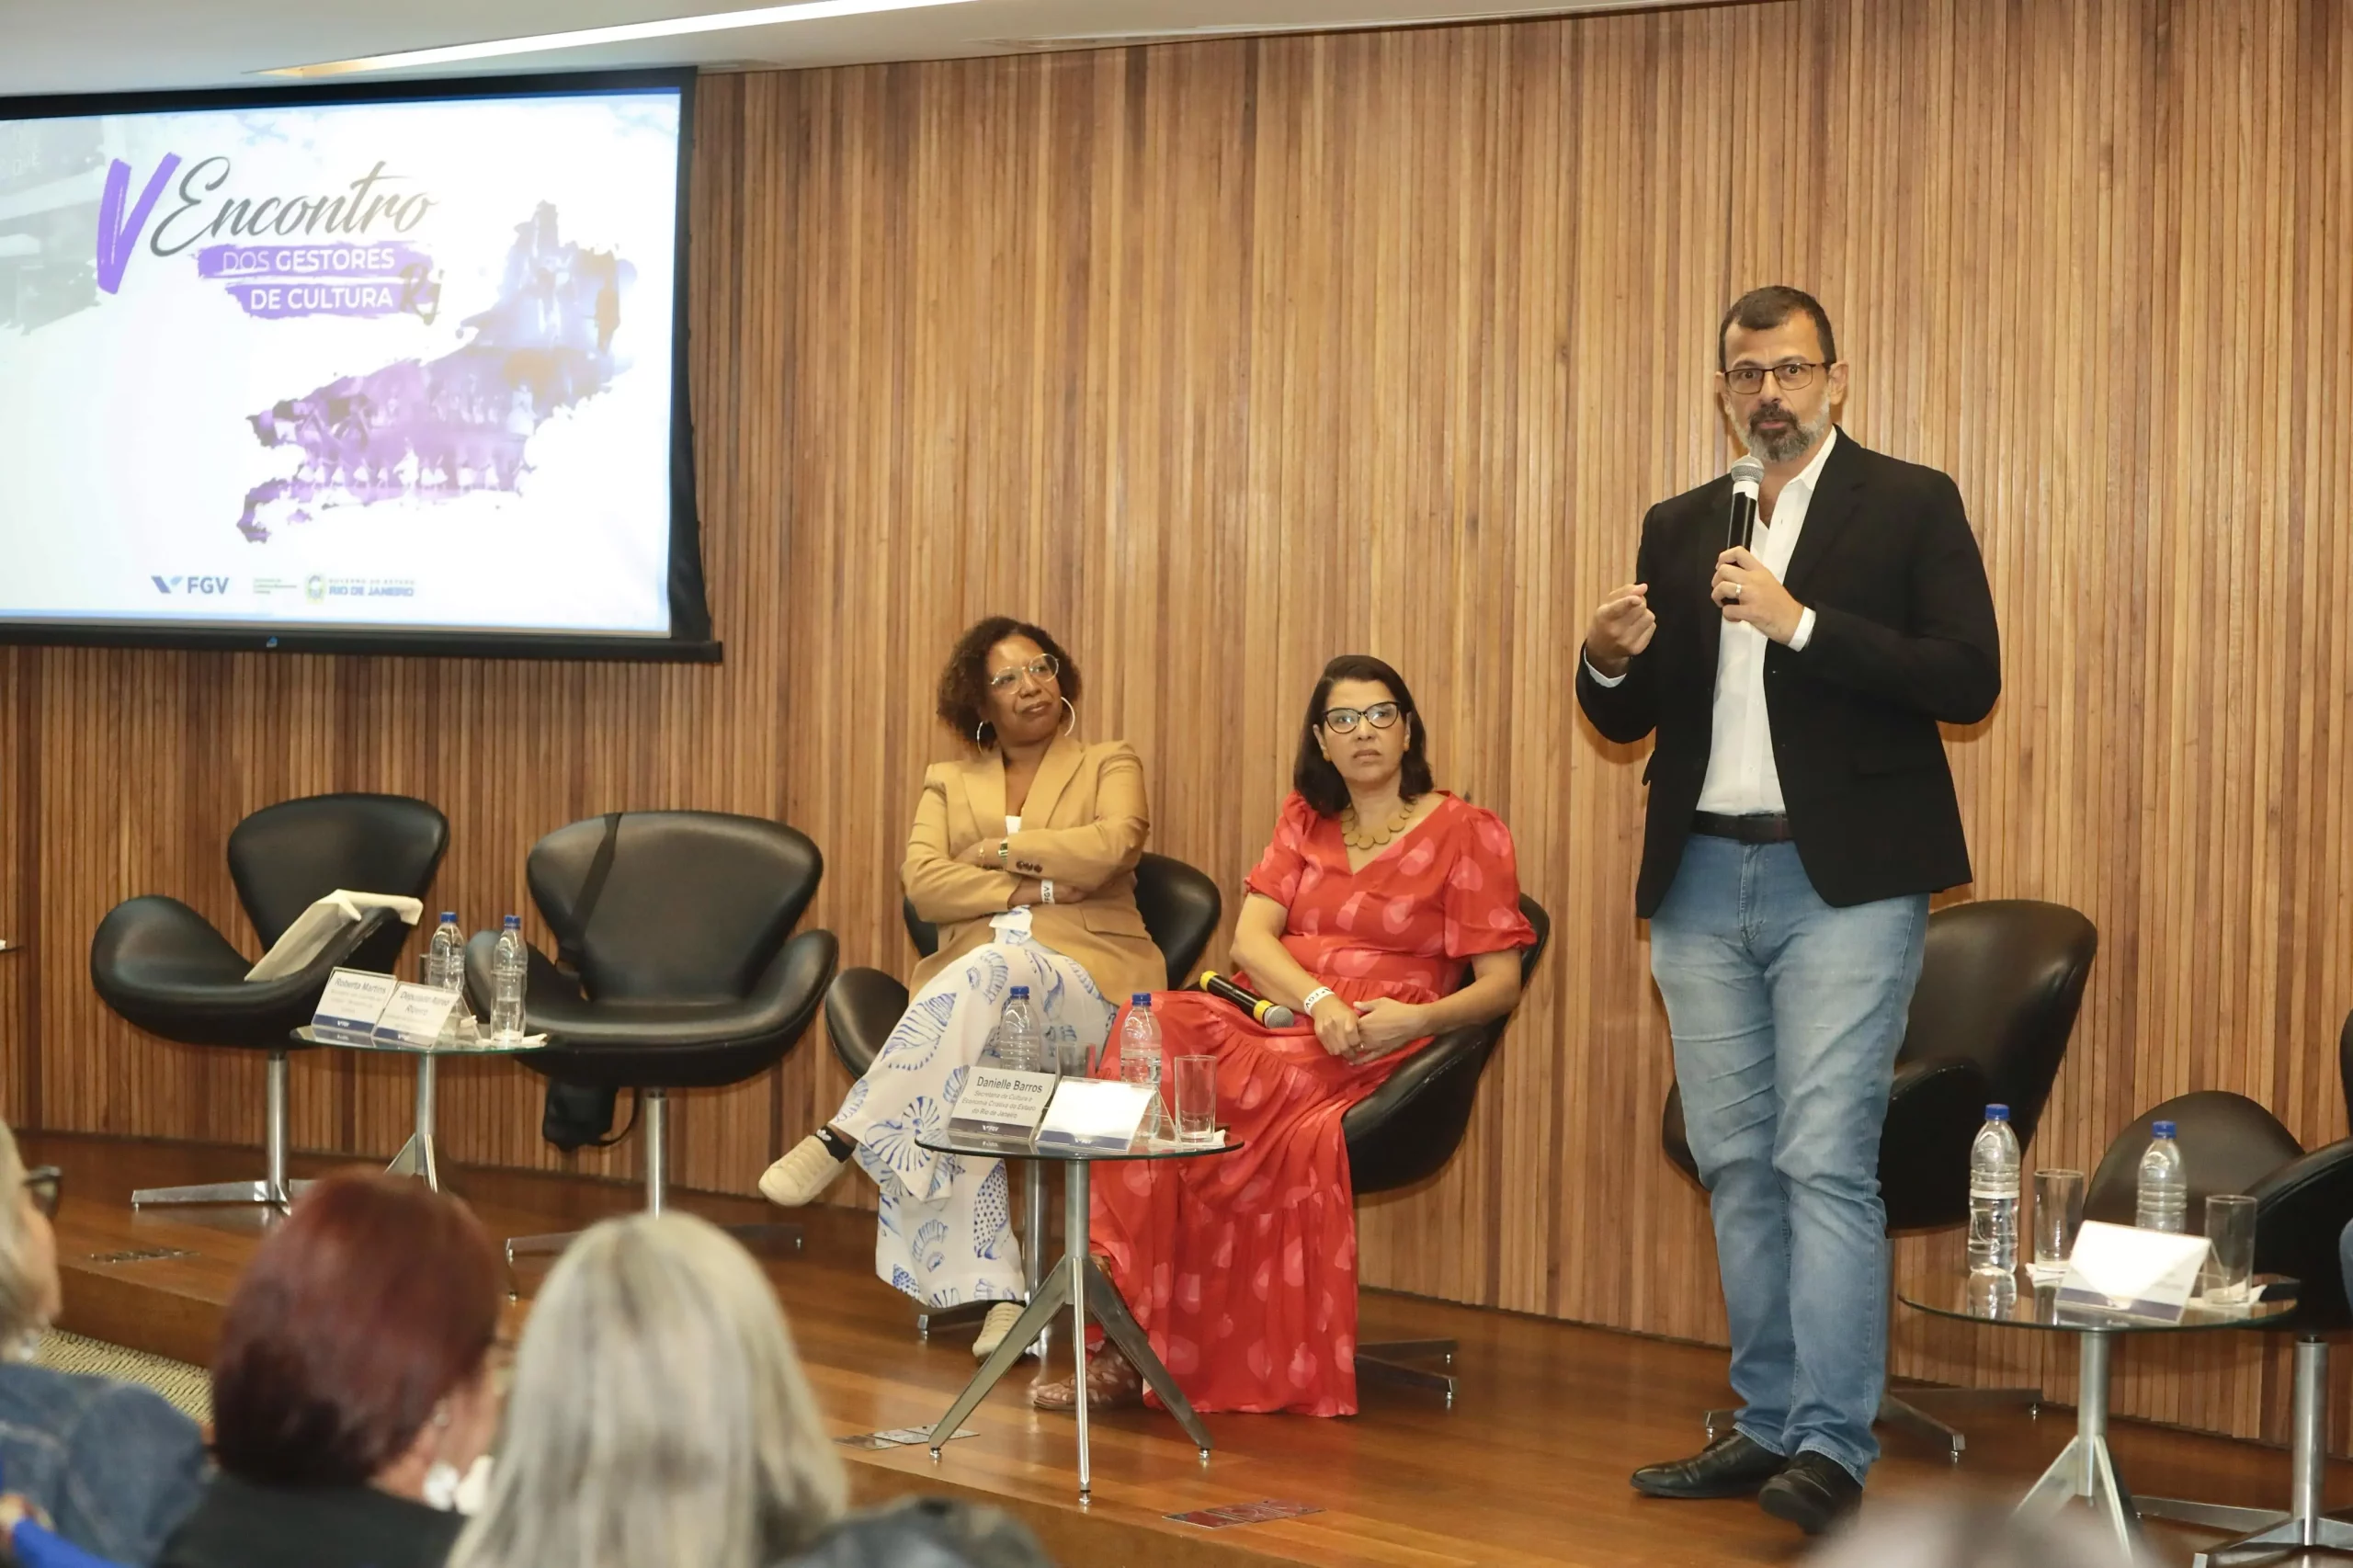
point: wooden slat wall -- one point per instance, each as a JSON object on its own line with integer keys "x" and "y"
{"x": 1224, "y": 357}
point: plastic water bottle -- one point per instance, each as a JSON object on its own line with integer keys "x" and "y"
{"x": 1991, "y": 1293}
{"x": 509, "y": 969}
{"x": 1018, "y": 1038}
{"x": 2164, "y": 1185}
{"x": 445, "y": 961}
{"x": 1140, "y": 1056}
{"x": 1994, "y": 1194}
{"x": 1067, "y": 1053}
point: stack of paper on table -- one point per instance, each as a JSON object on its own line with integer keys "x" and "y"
{"x": 316, "y": 927}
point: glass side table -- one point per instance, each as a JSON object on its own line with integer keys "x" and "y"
{"x": 420, "y": 1156}
{"x": 2085, "y": 1468}
{"x": 1076, "y": 1281}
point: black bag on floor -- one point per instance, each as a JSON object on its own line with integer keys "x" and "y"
{"x": 579, "y": 1115}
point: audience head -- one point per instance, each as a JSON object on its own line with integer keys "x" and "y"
{"x": 659, "y": 1414}
{"x": 1007, "y": 682}
{"x": 1972, "y": 1535}
{"x": 31, "y": 1293}
{"x": 357, "y": 1348}
{"x": 1780, "y": 339}
{"x": 1361, "y": 732}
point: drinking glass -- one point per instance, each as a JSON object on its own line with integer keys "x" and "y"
{"x": 2230, "y": 1226}
{"x": 2058, "y": 1215}
{"x": 1195, "y": 1081}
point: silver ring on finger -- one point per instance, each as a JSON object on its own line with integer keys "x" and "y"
{"x": 1735, "y": 589}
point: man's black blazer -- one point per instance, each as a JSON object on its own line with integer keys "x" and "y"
{"x": 1904, "y": 638}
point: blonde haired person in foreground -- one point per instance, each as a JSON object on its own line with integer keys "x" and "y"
{"x": 110, "y": 1466}
{"x": 659, "y": 1416}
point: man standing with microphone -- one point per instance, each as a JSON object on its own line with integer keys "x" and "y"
{"x": 1795, "y": 668}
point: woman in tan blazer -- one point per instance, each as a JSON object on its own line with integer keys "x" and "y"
{"x": 1024, "y": 857}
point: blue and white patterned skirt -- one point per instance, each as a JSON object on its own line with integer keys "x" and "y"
{"x": 945, "y": 1234}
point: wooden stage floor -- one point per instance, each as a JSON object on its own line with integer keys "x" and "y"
{"x": 1529, "y": 1466}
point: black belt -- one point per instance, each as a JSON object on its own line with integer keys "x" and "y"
{"x": 1773, "y": 829}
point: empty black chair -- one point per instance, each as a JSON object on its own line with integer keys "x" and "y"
{"x": 165, "y": 969}
{"x": 2303, "y": 1203}
{"x": 1406, "y": 1130}
{"x": 688, "y": 973}
{"x": 2229, "y": 1143}
{"x": 1180, "y": 907}
{"x": 2001, "y": 982}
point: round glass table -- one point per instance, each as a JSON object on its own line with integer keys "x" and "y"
{"x": 1076, "y": 1280}
{"x": 419, "y": 1156}
{"x": 2085, "y": 1468}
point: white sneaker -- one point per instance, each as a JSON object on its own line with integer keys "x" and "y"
{"x": 995, "y": 1327}
{"x": 807, "y": 1169}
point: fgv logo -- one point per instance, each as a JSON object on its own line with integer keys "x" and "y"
{"x": 191, "y": 584}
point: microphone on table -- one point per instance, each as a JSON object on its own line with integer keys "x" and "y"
{"x": 1747, "y": 474}
{"x": 1274, "y": 1015}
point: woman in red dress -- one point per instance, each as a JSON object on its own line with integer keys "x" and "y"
{"x": 1376, "y": 895}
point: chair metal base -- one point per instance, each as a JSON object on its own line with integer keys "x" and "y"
{"x": 1914, "y": 1411}
{"x": 276, "y": 1195}
{"x": 1391, "y": 1361}
{"x": 763, "y": 1238}
{"x": 1899, "y": 1412}
{"x": 273, "y": 1189}
{"x": 2267, "y": 1531}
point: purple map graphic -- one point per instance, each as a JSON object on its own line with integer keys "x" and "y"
{"x": 432, "y": 430}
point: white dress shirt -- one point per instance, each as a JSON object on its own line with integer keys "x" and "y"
{"x": 1742, "y": 780}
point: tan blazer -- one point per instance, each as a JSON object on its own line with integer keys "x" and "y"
{"x": 1084, "y": 826}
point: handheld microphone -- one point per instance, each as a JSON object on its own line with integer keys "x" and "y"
{"x": 1274, "y": 1015}
{"x": 1747, "y": 474}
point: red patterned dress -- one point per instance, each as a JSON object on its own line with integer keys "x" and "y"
{"x": 1242, "y": 1267}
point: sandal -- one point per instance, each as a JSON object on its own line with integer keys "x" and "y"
{"x": 1113, "y": 1384}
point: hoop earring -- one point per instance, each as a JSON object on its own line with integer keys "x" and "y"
{"x": 1073, "y": 717}
{"x": 979, "y": 739}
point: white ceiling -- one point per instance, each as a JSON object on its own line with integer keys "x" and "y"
{"x": 82, "y": 46}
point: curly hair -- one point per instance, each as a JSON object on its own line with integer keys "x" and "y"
{"x": 964, "y": 684}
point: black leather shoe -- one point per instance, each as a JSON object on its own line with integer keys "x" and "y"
{"x": 1733, "y": 1466}
{"x": 1814, "y": 1492}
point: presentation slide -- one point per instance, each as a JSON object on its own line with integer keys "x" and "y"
{"x": 387, "y": 365}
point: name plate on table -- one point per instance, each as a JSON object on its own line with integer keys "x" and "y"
{"x": 1095, "y": 1113}
{"x": 998, "y": 1103}
{"x": 421, "y": 1017}
{"x": 352, "y": 1001}
{"x": 2137, "y": 1273}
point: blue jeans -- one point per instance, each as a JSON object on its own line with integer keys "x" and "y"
{"x": 117, "y": 1468}
{"x": 1787, "y": 1014}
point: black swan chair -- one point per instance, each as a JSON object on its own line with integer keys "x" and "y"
{"x": 2001, "y": 982}
{"x": 1407, "y": 1130}
{"x": 164, "y": 967}
{"x": 2302, "y": 1204}
{"x": 690, "y": 975}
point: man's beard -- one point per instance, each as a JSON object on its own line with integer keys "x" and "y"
{"x": 1782, "y": 444}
